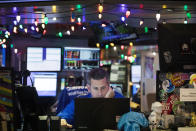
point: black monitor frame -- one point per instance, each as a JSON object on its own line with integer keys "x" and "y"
{"x": 99, "y": 113}
{"x": 177, "y": 47}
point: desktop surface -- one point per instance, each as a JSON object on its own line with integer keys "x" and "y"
{"x": 99, "y": 113}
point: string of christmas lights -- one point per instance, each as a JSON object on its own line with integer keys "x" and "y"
{"x": 40, "y": 23}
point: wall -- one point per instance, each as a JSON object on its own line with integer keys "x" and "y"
{"x": 150, "y": 64}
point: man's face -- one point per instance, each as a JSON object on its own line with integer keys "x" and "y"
{"x": 98, "y": 88}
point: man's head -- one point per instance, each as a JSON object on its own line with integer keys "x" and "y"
{"x": 98, "y": 82}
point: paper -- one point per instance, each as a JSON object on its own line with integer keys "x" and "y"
{"x": 187, "y": 94}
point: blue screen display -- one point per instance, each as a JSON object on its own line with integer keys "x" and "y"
{"x": 2, "y": 57}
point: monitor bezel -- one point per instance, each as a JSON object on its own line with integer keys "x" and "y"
{"x": 46, "y": 47}
{"x": 78, "y": 48}
{"x": 169, "y": 33}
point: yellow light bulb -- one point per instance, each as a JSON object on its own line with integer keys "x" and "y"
{"x": 111, "y": 44}
{"x": 131, "y": 43}
{"x": 164, "y": 6}
{"x": 98, "y": 45}
{"x": 100, "y": 8}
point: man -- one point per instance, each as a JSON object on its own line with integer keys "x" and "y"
{"x": 98, "y": 87}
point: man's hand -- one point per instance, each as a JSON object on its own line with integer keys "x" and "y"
{"x": 110, "y": 93}
{"x": 65, "y": 124}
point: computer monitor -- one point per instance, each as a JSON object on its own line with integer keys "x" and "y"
{"x": 43, "y": 59}
{"x": 81, "y": 58}
{"x": 177, "y": 47}
{"x": 118, "y": 87}
{"x": 2, "y": 57}
{"x": 99, "y": 113}
{"x": 44, "y": 82}
{"x": 136, "y": 73}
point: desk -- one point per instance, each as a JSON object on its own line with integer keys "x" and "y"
{"x": 179, "y": 129}
{"x": 64, "y": 129}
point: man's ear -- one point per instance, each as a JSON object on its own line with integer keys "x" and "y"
{"x": 88, "y": 87}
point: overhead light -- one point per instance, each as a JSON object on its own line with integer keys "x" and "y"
{"x": 99, "y": 15}
{"x": 128, "y": 12}
{"x": 164, "y": 6}
{"x": 123, "y": 18}
{"x": 15, "y": 22}
{"x": 158, "y": 16}
{"x": 36, "y": 22}
{"x": 100, "y": 8}
{"x": 103, "y": 25}
{"x": 131, "y": 43}
{"x": 54, "y": 8}
{"x": 72, "y": 28}
{"x": 18, "y": 18}
{"x": 185, "y": 21}
{"x": 54, "y": 18}
{"x": 98, "y": 45}
{"x": 32, "y": 28}
{"x": 83, "y": 28}
{"x": 25, "y": 30}
{"x": 68, "y": 32}
{"x": 141, "y": 22}
{"x": 43, "y": 26}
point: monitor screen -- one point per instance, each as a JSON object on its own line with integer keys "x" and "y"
{"x": 103, "y": 113}
{"x": 177, "y": 47}
{"x": 136, "y": 73}
{"x": 2, "y": 57}
{"x": 43, "y": 59}
{"x": 44, "y": 82}
{"x": 112, "y": 31}
{"x": 81, "y": 58}
{"x": 118, "y": 87}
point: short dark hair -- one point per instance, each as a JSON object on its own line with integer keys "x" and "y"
{"x": 97, "y": 74}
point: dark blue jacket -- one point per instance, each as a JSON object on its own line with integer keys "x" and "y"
{"x": 68, "y": 112}
{"x": 67, "y": 95}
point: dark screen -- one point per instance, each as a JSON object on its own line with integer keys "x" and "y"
{"x": 177, "y": 47}
{"x": 99, "y": 113}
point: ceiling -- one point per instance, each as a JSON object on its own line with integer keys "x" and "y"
{"x": 87, "y": 11}
{"x": 113, "y": 10}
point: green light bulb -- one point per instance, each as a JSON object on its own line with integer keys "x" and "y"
{"x": 188, "y": 14}
{"x": 21, "y": 27}
{"x": 78, "y": 7}
{"x": 60, "y": 34}
{"x": 146, "y": 29}
{"x": 46, "y": 20}
{"x": 185, "y": 7}
{"x": 106, "y": 46}
{"x": 6, "y": 36}
{"x": 122, "y": 56}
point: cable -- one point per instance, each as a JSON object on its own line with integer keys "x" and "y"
{"x": 32, "y": 84}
